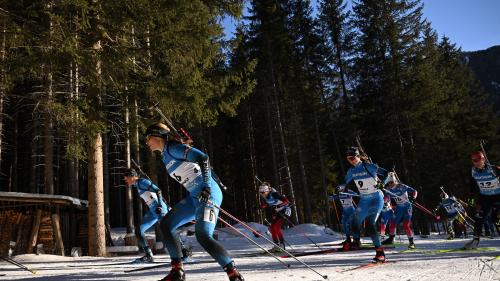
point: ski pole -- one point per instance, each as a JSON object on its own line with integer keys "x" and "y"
{"x": 11, "y": 261}
{"x": 251, "y": 240}
{"x": 253, "y": 230}
{"x": 303, "y": 234}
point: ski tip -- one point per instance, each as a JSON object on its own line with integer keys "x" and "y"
{"x": 325, "y": 277}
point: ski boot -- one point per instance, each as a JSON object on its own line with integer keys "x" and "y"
{"x": 145, "y": 259}
{"x": 233, "y": 274}
{"x": 411, "y": 244}
{"x": 176, "y": 273}
{"x": 186, "y": 252}
{"x": 472, "y": 244}
{"x": 352, "y": 246}
{"x": 347, "y": 244}
{"x": 450, "y": 237}
{"x": 275, "y": 249}
{"x": 379, "y": 255}
{"x": 389, "y": 240}
{"x": 148, "y": 257}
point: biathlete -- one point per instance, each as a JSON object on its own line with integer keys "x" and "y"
{"x": 348, "y": 210}
{"x": 486, "y": 189}
{"x": 454, "y": 212}
{"x": 281, "y": 213}
{"x": 368, "y": 178}
{"x": 385, "y": 215}
{"x": 151, "y": 195}
{"x": 190, "y": 167}
{"x": 404, "y": 195}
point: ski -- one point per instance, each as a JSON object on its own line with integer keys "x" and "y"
{"x": 367, "y": 265}
{"x": 112, "y": 264}
{"x": 442, "y": 251}
{"x": 165, "y": 265}
{"x": 330, "y": 251}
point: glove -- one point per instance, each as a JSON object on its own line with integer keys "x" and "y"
{"x": 204, "y": 195}
{"x": 411, "y": 199}
{"x": 158, "y": 210}
{"x": 287, "y": 211}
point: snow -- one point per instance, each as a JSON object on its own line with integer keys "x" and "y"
{"x": 425, "y": 263}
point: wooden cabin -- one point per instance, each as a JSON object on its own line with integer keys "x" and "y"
{"x": 42, "y": 223}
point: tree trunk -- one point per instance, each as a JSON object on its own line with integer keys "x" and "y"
{"x": 96, "y": 225}
{"x": 97, "y": 239}
{"x": 3, "y": 82}
{"x": 303, "y": 175}
{"x": 48, "y": 140}
{"x": 281, "y": 133}
{"x": 137, "y": 157}
{"x": 322, "y": 169}
{"x": 276, "y": 181}
{"x": 129, "y": 203}
{"x": 253, "y": 163}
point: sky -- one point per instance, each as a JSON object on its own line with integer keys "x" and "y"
{"x": 471, "y": 24}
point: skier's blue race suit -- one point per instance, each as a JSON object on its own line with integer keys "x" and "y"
{"x": 367, "y": 177}
{"x": 348, "y": 209}
{"x": 386, "y": 214}
{"x": 404, "y": 210}
{"x": 187, "y": 165}
{"x": 149, "y": 194}
{"x": 399, "y": 193}
{"x": 453, "y": 209}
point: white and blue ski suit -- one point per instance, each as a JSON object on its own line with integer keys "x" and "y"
{"x": 454, "y": 210}
{"x": 189, "y": 167}
{"x": 348, "y": 209}
{"x": 367, "y": 177}
{"x": 404, "y": 210}
{"x": 149, "y": 194}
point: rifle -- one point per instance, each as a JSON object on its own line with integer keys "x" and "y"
{"x": 358, "y": 141}
{"x": 487, "y": 162}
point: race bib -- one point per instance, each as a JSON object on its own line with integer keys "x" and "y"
{"x": 149, "y": 197}
{"x": 367, "y": 185}
{"x": 489, "y": 187}
{"x": 209, "y": 215}
{"x": 450, "y": 209}
{"x": 401, "y": 199}
{"x": 186, "y": 173}
{"x": 346, "y": 202}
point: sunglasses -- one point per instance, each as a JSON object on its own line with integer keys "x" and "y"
{"x": 262, "y": 192}
{"x": 350, "y": 158}
{"x": 476, "y": 160}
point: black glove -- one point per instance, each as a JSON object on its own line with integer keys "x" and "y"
{"x": 411, "y": 199}
{"x": 158, "y": 210}
{"x": 204, "y": 195}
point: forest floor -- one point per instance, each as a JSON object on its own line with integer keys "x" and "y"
{"x": 434, "y": 259}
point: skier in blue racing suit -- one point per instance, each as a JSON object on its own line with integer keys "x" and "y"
{"x": 190, "y": 167}
{"x": 404, "y": 195}
{"x": 151, "y": 195}
{"x": 348, "y": 211}
{"x": 368, "y": 178}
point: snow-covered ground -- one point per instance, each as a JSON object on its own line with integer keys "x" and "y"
{"x": 425, "y": 263}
